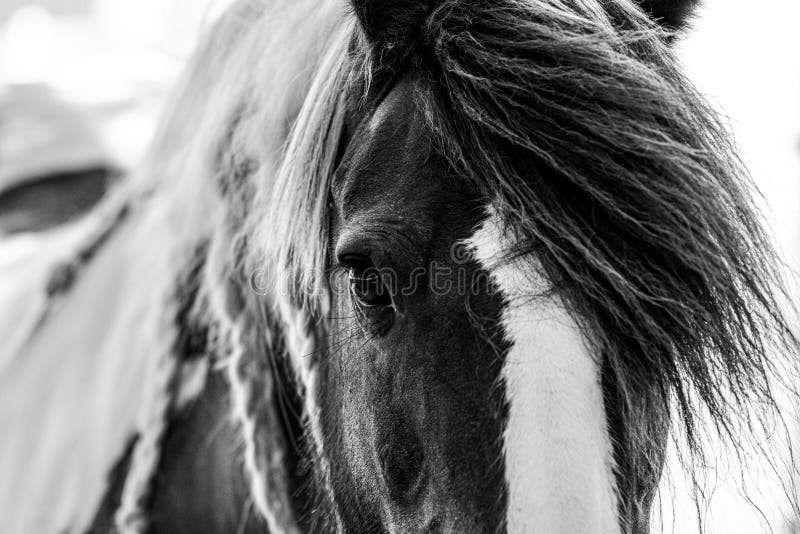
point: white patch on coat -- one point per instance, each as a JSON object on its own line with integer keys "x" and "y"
{"x": 558, "y": 455}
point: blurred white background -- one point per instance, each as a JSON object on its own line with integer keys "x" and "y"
{"x": 113, "y": 58}
{"x": 114, "y": 61}
{"x": 745, "y": 56}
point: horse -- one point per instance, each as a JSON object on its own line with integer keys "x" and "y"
{"x": 435, "y": 266}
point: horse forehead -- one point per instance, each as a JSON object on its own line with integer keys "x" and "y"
{"x": 396, "y": 107}
{"x": 388, "y": 158}
{"x": 395, "y": 134}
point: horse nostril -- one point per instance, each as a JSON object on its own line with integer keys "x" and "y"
{"x": 402, "y": 460}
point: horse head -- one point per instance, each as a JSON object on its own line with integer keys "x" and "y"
{"x": 540, "y": 256}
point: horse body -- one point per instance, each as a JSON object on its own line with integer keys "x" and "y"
{"x": 88, "y": 379}
{"x": 422, "y": 267}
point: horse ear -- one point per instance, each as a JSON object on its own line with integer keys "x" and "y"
{"x": 392, "y": 23}
{"x": 672, "y": 14}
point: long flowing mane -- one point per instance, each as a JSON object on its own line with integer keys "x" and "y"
{"x": 572, "y": 118}
{"x": 613, "y": 170}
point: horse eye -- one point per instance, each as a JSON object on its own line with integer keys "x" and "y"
{"x": 366, "y": 284}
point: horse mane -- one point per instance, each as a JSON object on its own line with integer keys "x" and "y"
{"x": 608, "y": 166}
{"x": 278, "y": 58}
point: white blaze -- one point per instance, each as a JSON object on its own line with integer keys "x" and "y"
{"x": 558, "y": 454}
